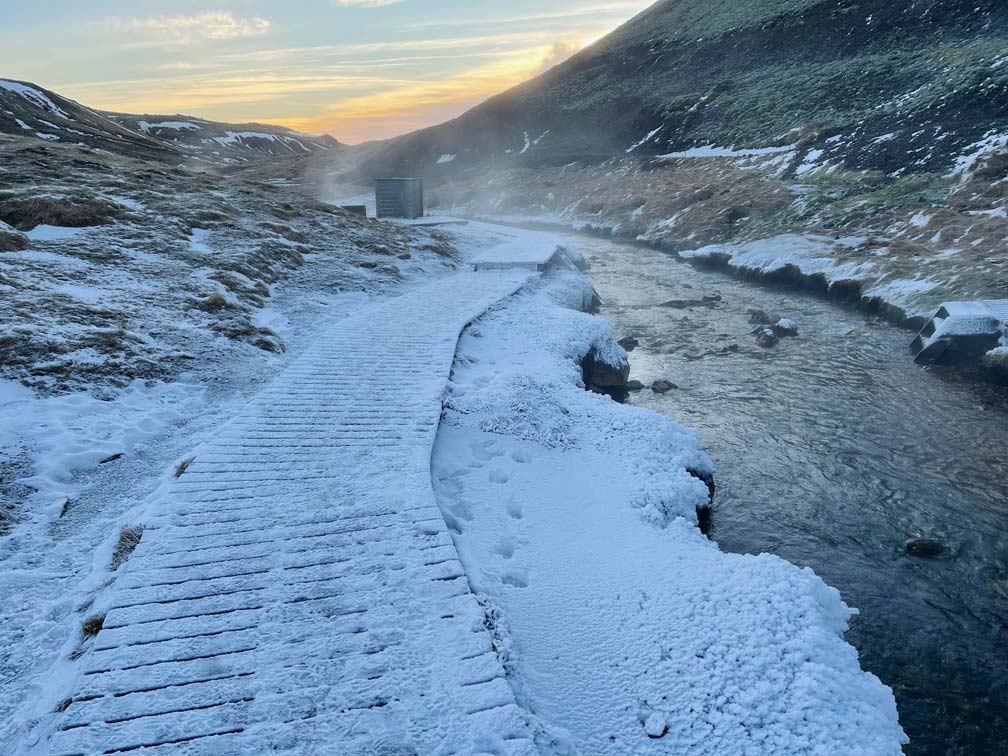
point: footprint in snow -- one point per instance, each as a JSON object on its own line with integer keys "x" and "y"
{"x": 521, "y": 456}
{"x": 498, "y": 476}
{"x": 514, "y": 579}
{"x": 485, "y": 450}
{"x": 505, "y": 549}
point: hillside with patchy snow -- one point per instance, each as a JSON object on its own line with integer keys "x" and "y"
{"x": 227, "y": 143}
{"x": 30, "y": 111}
{"x": 892, "y": 87}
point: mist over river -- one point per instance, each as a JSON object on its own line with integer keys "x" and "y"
{"x": 832, "y": 449}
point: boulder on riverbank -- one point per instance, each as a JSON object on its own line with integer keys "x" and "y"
{"x": 602, "y": 376}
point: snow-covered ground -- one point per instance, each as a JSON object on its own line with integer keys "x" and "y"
{"x": 111, "y": 370}
{"x": 622, "y": 628}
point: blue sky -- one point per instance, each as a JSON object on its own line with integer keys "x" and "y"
{"x": 358, "y": 69}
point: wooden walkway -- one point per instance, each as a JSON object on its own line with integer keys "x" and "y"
{"x": 298, "y": 591}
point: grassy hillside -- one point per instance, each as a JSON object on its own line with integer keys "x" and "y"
{"x": 931, "y": 76}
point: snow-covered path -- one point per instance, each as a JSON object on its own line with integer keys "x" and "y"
{"x": 296, "y": 589}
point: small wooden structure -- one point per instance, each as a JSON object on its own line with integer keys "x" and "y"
{"x": 399, "y": 198}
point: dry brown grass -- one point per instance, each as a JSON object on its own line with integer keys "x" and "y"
{"x": 287, "y": 232}
{"x": 213, "y": 303}
{"x": 129, "y": 539}
{"x": 181, "y": 467}
{"x": 91, "y": 626}
{"x": 25, "y": 213}
{"x": 12, "y": 241}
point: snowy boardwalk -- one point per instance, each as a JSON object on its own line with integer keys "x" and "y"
{"x": 298, "y": 592}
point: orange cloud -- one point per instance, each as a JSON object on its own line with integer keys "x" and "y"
{"x": 398, "y": 109}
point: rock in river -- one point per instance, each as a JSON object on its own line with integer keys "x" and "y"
{"x": 785, "y": 327}
{"x": 662, "y": 386}
{"x": 635, "y": 386}
{"x": 761, "y": 317}
{"x": 629, "y": 343}
{"x": 766, "y": 338}
{"x": 925, "y": 547}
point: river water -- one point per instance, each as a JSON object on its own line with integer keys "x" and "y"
{"x": 832, "y": 449}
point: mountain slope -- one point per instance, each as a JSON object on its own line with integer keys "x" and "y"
{"x": 227, "y": 143}
{"x": 931, "y": 76}
{"x": 29, "y": 110}
{"x": 861, "y": 147}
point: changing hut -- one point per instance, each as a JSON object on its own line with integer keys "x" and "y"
{"x": 399, "y": 198}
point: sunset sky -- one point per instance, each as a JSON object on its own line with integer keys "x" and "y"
{"x": 357, "y": 69}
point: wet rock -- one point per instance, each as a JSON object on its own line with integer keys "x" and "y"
{"x": 685, "y": 304}
{"x": 708, "y": 480}
{"x": 635, "y": 386}
{"x": 629, "y": 343}
{"x": 11, "y": 240}
{"x": 925, "y": 547}
{"x": 761, "y": 317}
{"x": 661, "y": 386}
{"x": 602, "y": 378}
{"x": 766, "y": 338}
{"x": 785, "y": 327}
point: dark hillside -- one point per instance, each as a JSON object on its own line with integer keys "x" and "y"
{"x": 931, "y": 76}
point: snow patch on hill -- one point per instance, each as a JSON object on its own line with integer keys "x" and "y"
{"x": 146, "y": 126}
{"x": 35, "y": 97}
{"x": 708, "y": 151}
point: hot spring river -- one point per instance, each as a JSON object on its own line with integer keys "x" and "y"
{"x": 832, "y": 449}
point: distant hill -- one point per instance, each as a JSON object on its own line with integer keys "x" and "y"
{"x": 31, "y": 111}
{"x": 227, "y": 142}
{"x": 893, "y": 86}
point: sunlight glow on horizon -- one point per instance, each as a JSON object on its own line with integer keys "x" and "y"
{"x": 356, "y": 69}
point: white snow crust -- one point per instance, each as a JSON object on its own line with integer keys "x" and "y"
{"x": 622, "y": 628}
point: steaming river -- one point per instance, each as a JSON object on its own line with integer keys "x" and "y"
{"x": 832, "y": 449}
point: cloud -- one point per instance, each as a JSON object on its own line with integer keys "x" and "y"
{"x": 406, "y": 106}
{"x": 213, "y": 25}
{"x": 365, "y": 3}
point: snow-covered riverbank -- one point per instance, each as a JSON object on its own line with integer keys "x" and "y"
{"x": 623, "y": 629}
{"x": 620, "y": 626}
